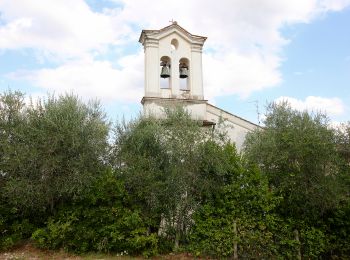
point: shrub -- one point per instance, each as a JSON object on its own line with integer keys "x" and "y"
{"x": 102, "y": 222}
{"x": 237, "y": 212}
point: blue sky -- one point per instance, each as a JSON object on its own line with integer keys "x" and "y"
{"x": 256, "y": 52}
{"x": 316, "y": 62}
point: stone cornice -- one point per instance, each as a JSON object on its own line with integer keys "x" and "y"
{"x": 160, "y": 99}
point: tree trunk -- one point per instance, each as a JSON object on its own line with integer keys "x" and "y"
{"x": 296, "y": 233}
{"x": 235, "y": 251}
{"x": 176, "y": 244}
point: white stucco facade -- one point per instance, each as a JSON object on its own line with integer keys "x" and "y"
{"x": 236, "y": 127}
{"x": 174, "y": 47}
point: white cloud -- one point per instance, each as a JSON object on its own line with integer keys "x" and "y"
{"x": 63, "y": 28}
{"x": 92, "y": 79}
{"x": 238, "y": 74}
{"x": 334, "y": 5}
{"x": 242, "y": 54}
{"x": 244, "y": 37}
{"x": 332, "y": 106}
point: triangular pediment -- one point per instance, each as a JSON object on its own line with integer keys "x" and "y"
{"x": 173, "y": 28}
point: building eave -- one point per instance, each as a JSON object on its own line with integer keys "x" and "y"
{"x": 238, "y": 117}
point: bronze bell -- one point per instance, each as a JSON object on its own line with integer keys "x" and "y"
{"x": 183, "y": 72}
{"x": 165, "y": 73}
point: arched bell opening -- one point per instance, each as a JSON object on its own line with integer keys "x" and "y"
{"x": 165, "y": 72}
{"x": 184, "y": 66}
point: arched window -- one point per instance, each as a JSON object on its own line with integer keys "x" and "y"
{"x": 165, "y": 72}
{"x": 184, "y": 74}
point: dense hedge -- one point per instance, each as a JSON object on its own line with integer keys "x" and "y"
{"x": 101, "y": 220}
{"x": 68, "y": 180}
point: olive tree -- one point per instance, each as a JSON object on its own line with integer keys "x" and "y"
{"x": 298, "y": 153}
{"x": 159, "y": 161}
{"x": 50, "y": 150}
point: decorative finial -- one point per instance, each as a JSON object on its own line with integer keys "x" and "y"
{"x": 172, "y": 21}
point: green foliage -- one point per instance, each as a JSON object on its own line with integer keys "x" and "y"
{"x": 242, "y": 198}
{"x": 13, "y": 230}
{"x": 173, "y": 184}
{"x": 102, "y": 221}
{"x": 50, "y": 150}
{"x": 338, "y": 230}
{"x": 14, "y": 227}
{"x": 343, "y": 140}
{"x": 297, "y": 151}
{"x": 49, "y": 153}
{"x": 158, "y": 160}
{"x": 314, "y": 242}
{"x": 305, "y": 162}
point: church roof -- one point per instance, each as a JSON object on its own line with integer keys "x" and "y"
{"x": 228, "y": 115}
{"x": 149, "y": 33}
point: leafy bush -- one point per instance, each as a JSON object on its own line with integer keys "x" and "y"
{"x": 159, "y": 162}
{"x": 298, "y": 153}
{"x": 338, "y": 231}
{"x": 173, "y": 186}
{"x": 237, "y": 212}
{"x": 314, "y": 242}
{"x": 103, "y": 221}
{"x": 13, "y": 227}
{"x": 14, "y": 233}
{"x": 49, "y": 151}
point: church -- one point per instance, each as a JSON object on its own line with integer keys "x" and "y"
{"x": 173, "y": 75}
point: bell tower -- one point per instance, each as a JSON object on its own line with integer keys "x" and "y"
{"x": 173, "y": 71}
